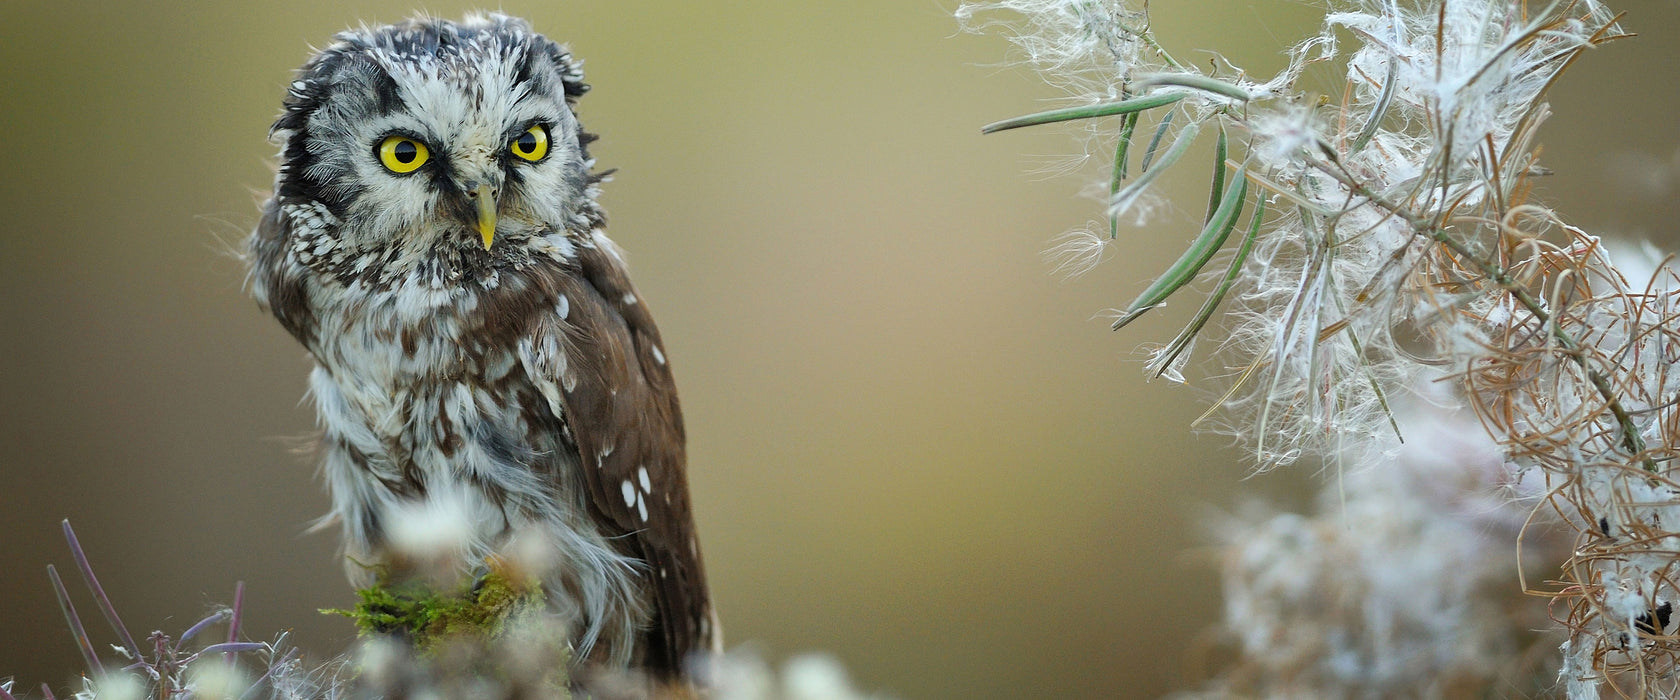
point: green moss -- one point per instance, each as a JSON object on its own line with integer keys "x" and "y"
{"x": 427, "y": 617}
{"x": 494, "y": 629}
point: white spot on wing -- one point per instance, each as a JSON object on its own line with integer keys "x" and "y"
{"x": 564, "y": 307}
{"x": 629, "y": 299}
{"x": 642, "y": 476}
{"x": 658, "y": 356}
{"x": 641, "y": 509}
{"x": 629, "y": 490}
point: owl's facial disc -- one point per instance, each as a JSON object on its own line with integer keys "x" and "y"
{"x": 430, "y": 134}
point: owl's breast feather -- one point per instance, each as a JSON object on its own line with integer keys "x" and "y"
{"x": 434, "y": 411}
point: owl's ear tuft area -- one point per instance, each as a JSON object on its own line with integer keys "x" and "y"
{"x": 310, "y": 87}
{"x": 569, "y": 68}
{"x": 317, "y": 79}
{"x": 302, "y": 99}
{"x": 309, "y": 90}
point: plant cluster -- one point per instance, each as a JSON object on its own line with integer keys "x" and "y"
{"x": 177, "y": 667}
{"x": 1394, "y": 267}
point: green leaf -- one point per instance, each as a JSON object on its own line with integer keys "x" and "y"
{"x": 1120, "y": 152}
{"x": 1194, "y": 81}
{"x": 1201, "y": 250}
{"x": 1155, "y": 141}
{"x": 1218, "y": 191}
{"x": 1107, "y": 109}
{"x": 1124, "y": 198}
{"x": 1161, "y": 362}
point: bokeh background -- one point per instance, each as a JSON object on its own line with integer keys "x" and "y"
{"x": 912, "y": 446}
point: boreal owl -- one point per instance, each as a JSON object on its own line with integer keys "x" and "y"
{"x": 434, "y": 241}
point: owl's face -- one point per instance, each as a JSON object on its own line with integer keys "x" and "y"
{"x": 433, "y": 137}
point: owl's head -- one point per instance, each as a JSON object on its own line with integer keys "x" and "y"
{"x": 433, "y": 134}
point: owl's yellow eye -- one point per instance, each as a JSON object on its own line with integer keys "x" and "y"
{"x": 531, "y": 145}
{"x": 401, "y": 154}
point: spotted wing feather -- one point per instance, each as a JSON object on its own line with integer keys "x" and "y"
{"x": 605, "y": 376}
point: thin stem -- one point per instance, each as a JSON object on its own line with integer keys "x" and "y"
{"x": 237, "y": 613}
{"x": 1148, "y": 38}
{"x": 74, "y": 621}
{"x": 1630, "y": 438}
{"x": 98, "y": 591}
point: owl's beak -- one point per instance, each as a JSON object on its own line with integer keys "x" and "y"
{"x": 486, "y": 200}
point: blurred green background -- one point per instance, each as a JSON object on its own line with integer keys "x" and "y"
{"x": 912, "y": 446}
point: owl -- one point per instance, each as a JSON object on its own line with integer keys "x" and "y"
{"x": 434, "y": 241}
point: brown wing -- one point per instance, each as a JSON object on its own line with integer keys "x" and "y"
{"x": 619, "y": 406}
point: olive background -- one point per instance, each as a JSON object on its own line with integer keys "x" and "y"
{"x": 912, "y": 445}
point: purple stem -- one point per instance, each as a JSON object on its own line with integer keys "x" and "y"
{"x": 98, "y": 592}
{"x": 47, "y": 692}
{"x": 74, "y": 621}
{"x": 238, "y": 608}
{"x": 214, "y": 618}
{"x": 4, "y": 693}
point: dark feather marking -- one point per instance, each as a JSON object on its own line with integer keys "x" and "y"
{"x": 599, "y": 177}
{"x": 319, "y": 81}
{"x": 387, "y": 96}
{"x": 372, "y": 526}
{"x": 540, "y": 424}
{"x": 286, "y": 293}
{"x": 451, "y": 439}
{"x": 413, "y": 484}
{"x": 501, "y": 446}
{"x": 525, "y": 76}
